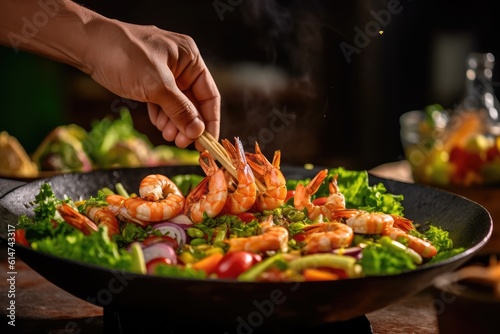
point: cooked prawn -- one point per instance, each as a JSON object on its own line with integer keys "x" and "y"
{"x": 369, "y": 222}
{"x": 156, "y": 187}
{"x": 272, "y": 238}
{"x": 115, "y": 205}
{"x": 241, "y": 198}
{"x": 270, "y": 175}
{"x": 96, "y": 216}
{"x": 101, "y": 215}
{"x": 76, "y": 219}
{"x": 422, "y": 247}
{"x": 325, "y": 237}
{"x": 169, "y": 204}
{"x": 372, "y": 223}
{"x": 334, "y": 202}
{"x": 210, "y": 195}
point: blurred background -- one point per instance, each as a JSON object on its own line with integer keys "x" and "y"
{"x": 325, "y": 81}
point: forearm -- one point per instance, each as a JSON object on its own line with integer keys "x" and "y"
{"x": 49, "y": 28}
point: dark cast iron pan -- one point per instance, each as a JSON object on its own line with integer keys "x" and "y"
{"x": 129, "y": 300}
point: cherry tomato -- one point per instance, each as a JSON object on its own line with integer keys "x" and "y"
{"x": 319, "y": 201}
{"x": 153, "y": 263}
{"x": 160, "y": 238}
{"x": 299, "y": 237}
{"x": 234, "y": 263}
{"x": 246, "y": 217}
{"x": 289, "y": 194}
{"x": 20, "y": 237}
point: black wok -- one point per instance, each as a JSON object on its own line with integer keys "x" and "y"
{"x": 130, "y": 299}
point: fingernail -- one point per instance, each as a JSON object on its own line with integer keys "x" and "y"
{"x": 195, "y": 129}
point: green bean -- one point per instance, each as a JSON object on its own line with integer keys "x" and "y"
{"x": 399, "y": 247}
{"x": 107, "y": 191}
{"x": 194, "y": 232}
{"x": 197, "y": 242}
{"x": 325, "y": 260}
{"x": 252, "y": 273}
{"x": 120, "y": 189}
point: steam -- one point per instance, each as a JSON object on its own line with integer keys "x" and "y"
{"x": 291, "y": 37}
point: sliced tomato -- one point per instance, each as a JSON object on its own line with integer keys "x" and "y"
{"x": 319, "y": 201}
{"x": 234, "y": 263}
{"x": 152, "y": 264}
{"x": 289, "y": 194}
{"x": 246, "y": 217}
{"x": 160, "y": 238}
{"x": 20, "y": 236}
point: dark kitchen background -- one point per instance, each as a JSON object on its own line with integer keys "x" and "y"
{"x": 315, "y": 79}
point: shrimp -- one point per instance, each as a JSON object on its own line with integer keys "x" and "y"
{"x": 210, "y": 195}
{"x": 421, "y": 246}
{"x": 169, "y": 202}
{"x": 396, "y": 227}
{"x": 334, "y": 202}
{"x": 325, "y": 237}
{"x": 272, "y": 238}
{"x": 270, "y": 175}
{"x": 115, "y": 205}
{"x": 97, "y": 216}
{"x": 76, "y": 219}
{"x": 370, "y": 222}
{"x": 101, "y": 215}
{"x": 156, "y": 187}
{"x": 243, "y": 197}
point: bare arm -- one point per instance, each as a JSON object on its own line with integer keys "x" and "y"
{"x": 143, "y": 63}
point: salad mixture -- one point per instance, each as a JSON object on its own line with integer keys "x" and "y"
{"x": 257, "y": 226}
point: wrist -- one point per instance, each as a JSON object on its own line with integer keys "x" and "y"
{"x": 55, "y": 29}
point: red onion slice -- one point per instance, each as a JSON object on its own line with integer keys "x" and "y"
{"x": 159, "y": 250}
{"x": 183, "y": 220}
{"x": 172, "y": 230}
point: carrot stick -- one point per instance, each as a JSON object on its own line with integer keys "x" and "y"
{"x": 311, "y": 274}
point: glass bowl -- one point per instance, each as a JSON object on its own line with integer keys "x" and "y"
{"x": 451, "y": 148}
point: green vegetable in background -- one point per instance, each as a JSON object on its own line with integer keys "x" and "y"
{"x": 62, "y": 150}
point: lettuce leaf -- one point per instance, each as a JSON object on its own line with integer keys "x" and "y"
{"x": 95, "y": 248}
{"x": 358, "y": 193}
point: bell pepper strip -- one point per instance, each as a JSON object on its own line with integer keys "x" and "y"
{"x": 311, "y": 274}
{"x": 209, "y": 263}
{"x": 347, "y": 263}
{"x": 252, "y": 273}
{"x": 20, "y": 237}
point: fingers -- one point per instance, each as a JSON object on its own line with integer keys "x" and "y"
{"x": 168, "y": 129}
{"x": 199, "y": 86}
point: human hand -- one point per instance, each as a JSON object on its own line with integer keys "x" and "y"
{"x": 164, "y": 69}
